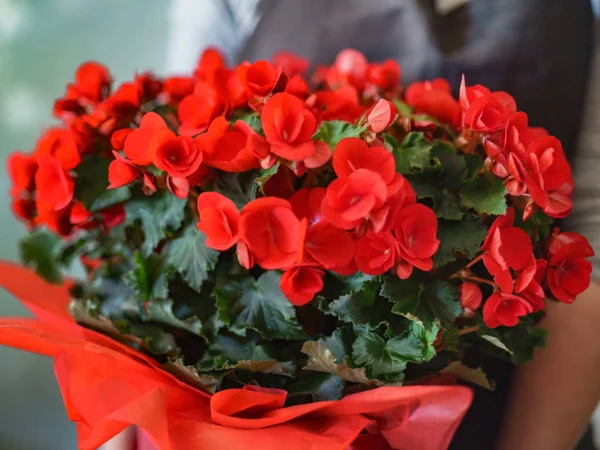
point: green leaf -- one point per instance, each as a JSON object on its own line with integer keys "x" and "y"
{"x": 190, "y": 257}
{"x": 91, "y": 179}
{"x": 148, "y": 278}
{"x": 364, "y": 307}
{"x": 403, "y": 108}
{"x": 321, "y": 359}
{"x": 406, "y": 294}
{"x": 486, "y": 195}
{"x": 474, "y": 164}
{"x": 42, "y": 250}
{"x": 232, "y": 349}
{"x": 157, "y": 214}
{"x": 240, "y": 187}
{"x": 414, "y": 153}
{"x": 332, "y": 132}
{"x": 258, "y": 304}
{"x": 521, "y": 340}
{"x": 251, "y": 118}
{"x": 430, "y": 301}
{"x": 441, "y": 300}
{"x": 161, "y": 311}
{"x": 450, "y": 339}
{"x": 447, "y": 206}
{"x": 464, "y": 236}
{"x": 381, "y": 360}
{"x": 110, "y": 197}
{"x": 265, "y": 175}
{"x": 452, "y": 168}
{"x": 319, "y": 386}
{"x": 464, "y": 373}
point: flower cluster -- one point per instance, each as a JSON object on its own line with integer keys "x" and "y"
{"x": 218, "y": 212}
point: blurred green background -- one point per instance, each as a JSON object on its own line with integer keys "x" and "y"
{"x": 41, "y": 44}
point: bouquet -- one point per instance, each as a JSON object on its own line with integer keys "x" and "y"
{"x": 299, "y": 260}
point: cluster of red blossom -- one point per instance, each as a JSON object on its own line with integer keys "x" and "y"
{"x": 178, "y": 133}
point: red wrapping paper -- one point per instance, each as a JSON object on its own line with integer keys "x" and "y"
{"x": 107, "y": 386}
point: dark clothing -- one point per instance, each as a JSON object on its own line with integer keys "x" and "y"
{"x": 537, "y": 50}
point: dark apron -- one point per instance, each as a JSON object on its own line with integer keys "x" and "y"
{"x": 537, "y": 50}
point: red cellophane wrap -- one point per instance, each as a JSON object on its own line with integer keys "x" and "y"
{"x": 107, "y": 386}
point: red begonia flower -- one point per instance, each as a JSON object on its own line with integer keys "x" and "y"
{"x": 290, "y": 64}
{"x": 386, "y": 76}
{"x": 259, "y": 78}
{"x": 180, "y": 187}
{"x": 56, "y": 221}
{"x": 502, "y": 309}
{"x": 272, "y": 232}
{"x": 349, "y": 67}
{"x": 341, "y": 104}
{"x": 434, "y": 99}
{"x": 226, "y": 148}
{"x": 210, "y": 60}
{"x": 137, "y": 143}
{"x": 21, "y": 170}
{"x": 23, "y": 208}
{"x": 300, "y": 284}
{"x": 113, "y": 216}
{"x": 352, "y": 154}
{"x": 381, "y": 115}
{"x": 415, "y": 229}
{"x": 376, "y": 253}
{"x": 219, "y": 220}
{"x": 117, "y": 139}
{"x": 198, "y": 109}
{"x": 470, "y": 296}
{"x": 61, "y": 144}
{"x": 121, "y": 172}
{"x": 325, "y": 244}
{"x": 350, "y": 199}
{"x": 297, "y": 86}
{"x": 569, "y": 270}
{"x": 289, "y": 127}
{"x": 179, "y": 156}
{"x": 178, "y": 87}
{"x": 54, "y": 185}
{"x": 489, "y": 113}
{"x": 229, "y": 88}
{"x": 92, "y": 81}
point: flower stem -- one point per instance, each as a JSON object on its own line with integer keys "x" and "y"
{"x": 474, "y": 261}
{"x": 468, "y": 330}
{"x": 479, "y": 280}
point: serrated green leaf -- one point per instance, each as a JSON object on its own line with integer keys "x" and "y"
{"x": 430, "y": 301}
{"x": 441, "y": 300}
{"x": 414, "y": 152}
{"x": 521, "y": 340}
{"x": 321, "y": 359}
{"x": 110, "y": 197}
{"x": 450, "y": 339}
{"x": 452, "y": 166}
{"x": 447, "y": 206}
{"x": 474, "y": 164}
{"x": 161, "y": 311}
{"x": 41, "y": 250}
{"x": 406, "y": 295}
{"x": 486, "y": 195}
{"x": 381, "y": 360}
{"x": 190, "y": 257}
{"x": 148, "y": 279}
{"x": 364, "y": 307}
{"x": 464, "y": 373}
{"x": 240, "y": 187}
{"x": 265, "y": 175}
{"x": 252, "y": 118}
{"x": 231, "y": 349}
{"x": 91, "y": 180}
{"x": 157, "y": 214}
{"x": 319, "y": 386}
{"x": 464, "y": 236}
{"x": 332, "y": 132}
{"x": 258, "y": 304}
